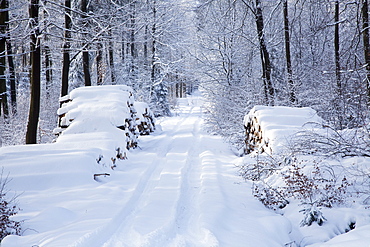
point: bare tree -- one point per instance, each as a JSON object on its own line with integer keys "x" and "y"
{"x": 365, "y": 36}
{"x": 265, "y": 56}
{"x": 66, "y": 47}
{"x": 34, "y": 112}
{"x": 3, "y": 30}
{"x": 85, "y": 52}
{"x": 292, "y": 93}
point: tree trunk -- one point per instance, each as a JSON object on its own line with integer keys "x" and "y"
{"x": 265, "y": 57}
{"x": 66, "y": 47}
{"x": 336, "y": 47}
{"x": 85, "y": 52}
{"x": 99, "y": 64}
{"x": 339, "y": 90}
{"x": 11, "y": 67}
{"x": 133, "y": 51}
{"x": 292, "y": 93}
{"x": 13, "y": 88}
{"x": 111, "y": 62}
{"x": 365, "y": 36}
{"x": 154, "y": 30}
{"x": 111, "y": 57}
{"x": 145, "y": 48}
{"x": 33, "y": 117}
{"x": 3, "y": 29}
{"x": 48, "y": 70}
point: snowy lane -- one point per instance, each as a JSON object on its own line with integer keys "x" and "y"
{"x": 180, "y": 188}
{"x": 188, "y": 194}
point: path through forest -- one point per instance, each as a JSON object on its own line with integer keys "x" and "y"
{"x": 184, "y": 191}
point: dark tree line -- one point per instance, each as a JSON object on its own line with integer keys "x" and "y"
{"x": 48, "y": 48}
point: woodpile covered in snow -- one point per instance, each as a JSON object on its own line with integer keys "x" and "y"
{"x": 99, "y": 108}
{"x": 144, "y": 118}
{"x": 270, "y": 128}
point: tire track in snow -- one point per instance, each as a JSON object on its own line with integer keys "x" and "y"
{"x": 188, "y": 195}
{"x": 186, "y": 210}
{"x": 111, "y": 233}
{"x": 106, "y": 232}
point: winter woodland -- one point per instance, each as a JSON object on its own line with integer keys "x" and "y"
{"x": 260, "y": 70}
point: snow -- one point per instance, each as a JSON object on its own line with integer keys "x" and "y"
{"x": 279, "y": 123}
{"x": 179, "y": 188}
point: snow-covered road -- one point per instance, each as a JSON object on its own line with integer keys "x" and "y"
{"x": 180, "y": 188}
{"x": 185, "y": 192}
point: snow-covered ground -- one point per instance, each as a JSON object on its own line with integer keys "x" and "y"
{"x": 180, "y": 188}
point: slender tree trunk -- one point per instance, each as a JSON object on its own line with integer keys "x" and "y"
{"x": 154, "y": 30}
{"x": 336, "y": 47}
{"x": 133, "y": 51}
{"x": 85, "y": 52}
{"x": 48, "y": 70}
{"x": 265, "y": 57}
{"x": 292, "y": 93}
{"x": 66, "y": 47}
{"x": 145, "y": 46}
{"x": 99, "y": 64}
{"x": 13, "y": 86}
{"x": 11, "y": 67}
{"x": 33, "y": 118}
{"x": 339, "y": 90}
{"x": 3, "y": 30}
{"x": 111, "y": 62}
{"x": 365, "y": 36}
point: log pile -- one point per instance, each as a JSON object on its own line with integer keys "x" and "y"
{"x": 99, "y": 107}
{"x": 144, "y": 118}
{"x": 254, "y": 137}
{"x": 270, "y": 129}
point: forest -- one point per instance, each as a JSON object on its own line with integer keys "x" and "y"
{"x": 240, "y": 52}
{"x": 242, "y": 58}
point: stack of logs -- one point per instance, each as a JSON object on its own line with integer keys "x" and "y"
{"x": 145, "y": 120}
{"x": 254, "y": 137}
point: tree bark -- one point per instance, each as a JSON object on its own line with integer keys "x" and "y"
{"x": 11, "y": 67}
{"x": 4, "y": 109}
{"x": 292, "y": 93}
{"x": 66, "y": 47}
{"x": 85, "y": 52}
{"x": 111, "y": 62}
{"x": 48, "y": 70}
{"x": 99, "y": 64}
{"x": 33, "y": 117}
{"x": 339, "y": 89}
{"x": 154, "y": 30}
{"x": 132, "y": 45}
{"x": 365, "y": 37}
{"x": 13, "y": 88}
{"x": 265, "y": 57}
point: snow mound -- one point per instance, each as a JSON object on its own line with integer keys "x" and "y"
{"x": 108, "y": 110}
{"x": 269, "y": 128}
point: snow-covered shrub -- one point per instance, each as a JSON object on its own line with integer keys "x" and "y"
{"x": 277, "y": 182}
{"x": 312, "y": 214}
{"x": 160, "y": 104}
{"x": 333, "y": 143}
{"x": 7, "y": 210}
